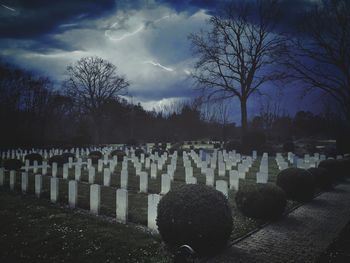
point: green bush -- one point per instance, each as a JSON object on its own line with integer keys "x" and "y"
{"x": 57, "y": 159}
{"x": 12, "y": 164}
{"x": 338, "y": 169}
{"x": 119, "y": 153}
{"x": 95, "y": 156}
{"x": 322, "y": 178}
{"x": 34, "y": 157}
{"x": 297, "y": 183}
{"x": 261, "y": 201}
{"x": 196, "y": 215}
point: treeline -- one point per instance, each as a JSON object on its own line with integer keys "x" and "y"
{"x": 33, "y": 113}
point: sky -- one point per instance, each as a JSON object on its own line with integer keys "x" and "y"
{"x": 146, "y": 39}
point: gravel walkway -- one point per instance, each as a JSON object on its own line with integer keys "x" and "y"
{"x": 300, "y": 237}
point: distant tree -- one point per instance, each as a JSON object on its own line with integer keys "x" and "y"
{"x": 321, "y": 60}
{"x": 240, "y": 53}
{"x": 92, "y": 82}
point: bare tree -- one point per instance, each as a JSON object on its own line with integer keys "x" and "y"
{"x": 322, "y": 54}
{"x": 91, "y": 82}
{"x": 240, "y": 52}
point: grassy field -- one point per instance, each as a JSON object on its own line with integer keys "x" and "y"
{"x": 138, "y": 201}
{"x": 33, "y": 230}
{"x": 53, "y": 216}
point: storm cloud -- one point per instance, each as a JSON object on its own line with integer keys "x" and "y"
{"x": 146, "y": 39}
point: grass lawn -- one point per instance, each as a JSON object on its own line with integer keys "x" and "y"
{"x": 33, "y": 230}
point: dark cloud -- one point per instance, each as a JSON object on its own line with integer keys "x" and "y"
{"x": 37, "y": 17}
{"x": 291, "y": 12}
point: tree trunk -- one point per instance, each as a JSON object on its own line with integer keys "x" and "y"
{"x": 244, "y": 118}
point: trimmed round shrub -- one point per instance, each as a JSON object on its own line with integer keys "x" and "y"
{"x": 338, "y": 169}
{"x": 34, "y": 157}
{"x": 95, "y": 156}
{"x": 261, "y": 201}
{"x": 57, "y": 159}
{"x": 322, "y": 178}
{"x": 119, "y": 153}
{"x": 12, "y": 164}
{"x": 195, "y": 215}
{"x": 297, "y": 183}
{"x": 67, "y": 155}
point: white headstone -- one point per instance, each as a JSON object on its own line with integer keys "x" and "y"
{"x": 221, "y": 185}
{"x": 122, "y": 205}
{"x": 153, "y": 170}
{"x": 234, "y": 180}
{"x": 24, "y": 182}
{"x": 188, "y": 172}
{"x": 106, "y": 177}
{"x": 65, "y": 170}
{"x": 210, "y": 178}
{"x": 44, "y": 168}
{"x": 54, "y": 184}
{"x": 89, "y": 163}
{"x": 12, "y": 180}
{"x": 35, "y": 166}
{"x": 138, "y": 167}
{"x": 191, "y": 180}
{"x": 38, "y": 184}
{"x": 54, "y": 169}
{"x": 153, "y": 200}
{"x": 72, "y": 193}
{"x": 262, "y": 177}
{"x": 124, "y": 179}
{"x": 91, "y": 175}
{"x": 143, "y": 182}
{"x": 147, "y": 163}
{"x": 222, "y": 169}
{"x": 70, "y": 162}
{"x": 95, "y": 198}
{"x": 99, "y": 165}
{"x": 77, "y": 171}
{"x": 166, "y": 184}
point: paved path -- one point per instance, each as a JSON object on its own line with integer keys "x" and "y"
{"x": 300, "y": 237}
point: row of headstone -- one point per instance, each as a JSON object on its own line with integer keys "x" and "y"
{"x": 95, "y": 196}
